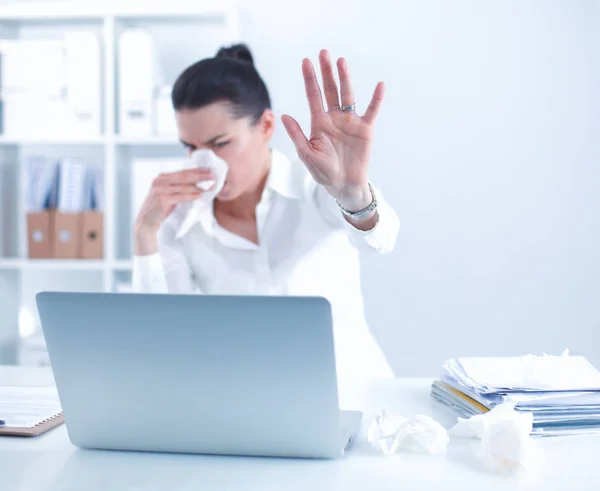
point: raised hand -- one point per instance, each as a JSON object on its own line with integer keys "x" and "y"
{"x": 338, "y": 151}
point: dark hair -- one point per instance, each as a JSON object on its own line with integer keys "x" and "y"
{"x": 228, "y": 77}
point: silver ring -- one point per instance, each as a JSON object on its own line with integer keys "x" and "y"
{"x": 351, "y": 107}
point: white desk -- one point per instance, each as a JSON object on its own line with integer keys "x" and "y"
{"x": 51, "y": 463}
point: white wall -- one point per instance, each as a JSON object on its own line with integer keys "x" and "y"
{"x": 487, "y": 145}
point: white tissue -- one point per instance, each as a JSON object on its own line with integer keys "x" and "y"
{"x": 205, "y": 185}
{"x": 207, "y": 159}
{"x": 420, "y": 434}
{"x": 476, "y": 426}
{"x": 507, "y": 446}
{"x": 506, "y": 443}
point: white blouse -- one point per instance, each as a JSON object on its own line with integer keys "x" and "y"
{"x": 306, "y": 248}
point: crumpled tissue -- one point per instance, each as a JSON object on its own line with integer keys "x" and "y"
{"x": 207, "y": 159}
{"x": 506, "y": 443}
{"x": 420, "y": 434}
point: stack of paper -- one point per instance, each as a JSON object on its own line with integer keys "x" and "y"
{"x": 562, "y": 392}
{"x": 26, "y": 407}
{"x": 68, "y": 185}
{"x": 41, "y": 185}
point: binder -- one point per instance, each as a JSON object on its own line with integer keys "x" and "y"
{"x": 64, "y": 203}
{"x": 41, "y": 427}
{"x": 92, "y": 237}
{"x": 138, "y": 75}
{"x": 83, "y": 63}
{"x": 67, "y": 235}
{"x": 39, "y": 235}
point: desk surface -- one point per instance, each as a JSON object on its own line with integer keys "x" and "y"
{"x": 51, "y": 463}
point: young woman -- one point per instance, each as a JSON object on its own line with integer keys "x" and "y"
{"x": 277, "y": 227}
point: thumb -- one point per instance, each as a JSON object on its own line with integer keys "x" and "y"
{"x": 296, "y": 134}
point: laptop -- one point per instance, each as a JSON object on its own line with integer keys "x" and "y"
{"x": 224, "y": 375}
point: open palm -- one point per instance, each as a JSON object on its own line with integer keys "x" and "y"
{"x": 338, "y": 152}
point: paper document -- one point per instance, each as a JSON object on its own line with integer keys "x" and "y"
{"x": 41, "y": 183}
{"x": 562, "y": 393}
{"x": 532, "y": 373}
{"x": 96, "y": 201}
{"x": 26, "y": 407}
{"x": 71, "y": 185}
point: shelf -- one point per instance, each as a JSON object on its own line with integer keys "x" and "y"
{"x": 122, "y": 265}
{"x": 99, "y": 140}
{"x": 65, "y": 264}
{"x": 53, "y": 264}
{"x": 147, "y": 140}
{"x": 10, "y": 264}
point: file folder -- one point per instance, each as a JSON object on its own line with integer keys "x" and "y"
{"x": 67, "y": 235}
{"x": 92, "y": 235}
{"x": 83, "y": 82}
{"x": 39, "y": 235}
{"x": 137, "y": 80}
{"x": 64, "y": 204}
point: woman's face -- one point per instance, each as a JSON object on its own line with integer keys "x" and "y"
{"x": 245, "y": 147}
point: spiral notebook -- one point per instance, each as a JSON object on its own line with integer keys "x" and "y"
{"x": 29, "y": 411}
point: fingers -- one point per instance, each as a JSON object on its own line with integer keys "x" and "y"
{"x": 182, "y": 177}
{"x": 373, "y": 110}
{"x": 175, "y": 199}
{"x": 311, "y": 84}
{"x": 167, "y": 202}
{"x": 176, "y": 189}
{"x": 296, "y": 134}
{"x": 346, "y": 90}
{"x": 330, "y": 87}
{"x": 345, "y": 98}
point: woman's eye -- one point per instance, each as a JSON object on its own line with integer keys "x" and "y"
{"x": 221, "y": 144}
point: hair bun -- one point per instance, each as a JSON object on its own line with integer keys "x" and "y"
{"x": 237, "y": 51}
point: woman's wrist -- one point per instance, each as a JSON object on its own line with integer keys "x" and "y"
{"x": 145, "y": 241}
{"x": 354, "y": 198}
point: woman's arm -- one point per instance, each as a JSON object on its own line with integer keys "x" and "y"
{"x": 375, "y": 233}
{"x": 159, "y": 263}
{"x": 164, "y": 271}
{"x": 338, "y": 152}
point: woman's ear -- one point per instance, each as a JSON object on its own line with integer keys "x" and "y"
{"x": 266, "y": 124}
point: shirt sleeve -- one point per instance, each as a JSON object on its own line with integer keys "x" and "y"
{"x": 381, "y": 238}
{"x": 166, "y": 271}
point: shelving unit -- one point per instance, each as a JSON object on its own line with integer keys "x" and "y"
{"x": 100, "y": 140}
{"x": 173, "y": 25}
{"x": 159, "y": 140}
{"x": 4, "y": 141}
{"x": 55, "y": 264}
